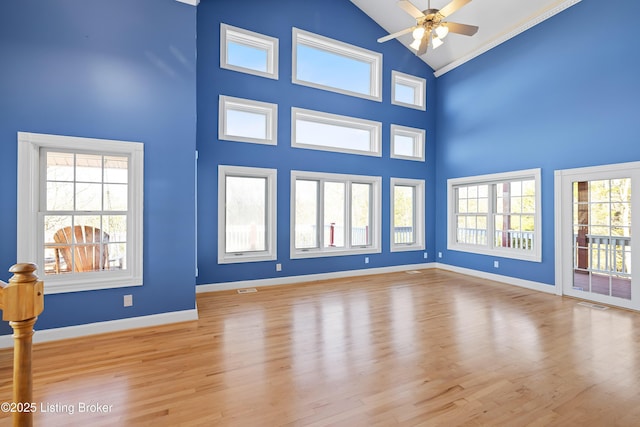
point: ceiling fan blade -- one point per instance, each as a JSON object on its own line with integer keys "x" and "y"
{"x": 408, "y": 7}
{"x": 464, "y": 29}
{"x": 424, "y": 44}
{"x": 397, "y": 34}
{"x": 452, "y": 7}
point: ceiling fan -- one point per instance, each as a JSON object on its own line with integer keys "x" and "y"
{"x": 430, "y": 26}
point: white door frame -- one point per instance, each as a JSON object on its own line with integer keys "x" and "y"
{"x": 563, "y": 221}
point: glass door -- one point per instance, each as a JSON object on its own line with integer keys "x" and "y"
{"x": 597, "y": 206}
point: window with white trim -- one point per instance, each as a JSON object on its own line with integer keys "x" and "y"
{"x": 246, "y": 214}
{"x": 497, "y": 214}
{"x": 332, "y": 132}
{"x": 336, "y": 66}
{"x": 80, "y": 211}
{"x": 245, "y": 120}
{"x": 248, "y": 52}
{"x": 408, "y": 91}
{"x": 407, "y": 214}
{"x": 334, "y": 214}
{"x": 407, "y": 143}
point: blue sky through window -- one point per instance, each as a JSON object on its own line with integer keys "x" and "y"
{"x": 247, "y": 56}
{"x": 330, "y": 69}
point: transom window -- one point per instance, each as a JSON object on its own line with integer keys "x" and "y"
{"x": 334, "y": 214}
{"x": 407, "y": 143}
{"x": 245, "y": 120}
{"x": 81, "y": 210}
{"x": 248, "y": 52}
{"x": 247, "y": 214}
{"x": 331, "y": 132}
{"x": 407, "y": 214}
{"x": 336, "y": 66}
{"x": 408, "y": 91}
{"x": 496, "y": 214}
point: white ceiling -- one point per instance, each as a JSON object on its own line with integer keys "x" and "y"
{"x": 499, "y": 20}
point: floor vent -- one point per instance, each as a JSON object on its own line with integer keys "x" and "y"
{"x": 413, "y": 272}
{"x": 596, "y": 306}
{"x": 247, "y": 291}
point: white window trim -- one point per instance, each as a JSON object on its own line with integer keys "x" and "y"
{"x": 535, "y": 255}
{"x": 250, "y": 106}
{"x": 251, "y": 39}
{"x": 419, "y": 137}
{"x": 420, "y": 90}
{"x": 31, "y": 236}
{"x": 419, "y": 215}
{"x": 374, "y": 128}
{"x": 339, "y": 48}
{"x": 376, "y": 221}
{"x": 270, "y": 253}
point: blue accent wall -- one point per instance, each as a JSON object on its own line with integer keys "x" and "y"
{"x": 115, "y": 69}
{"x": 561, "y": 95}
{"x": 337, "y": 19}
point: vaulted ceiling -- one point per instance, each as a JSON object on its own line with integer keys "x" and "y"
{"x": 498, "y": 21}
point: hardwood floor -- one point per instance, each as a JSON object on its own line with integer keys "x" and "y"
{"x": 434, "y": 349}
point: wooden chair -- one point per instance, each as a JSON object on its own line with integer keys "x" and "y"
{"x": 86, "y": 244}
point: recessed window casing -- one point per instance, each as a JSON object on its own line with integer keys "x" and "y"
{"x": 246, "y": 120}
{"x": 332, "y": 132}
{"x": 332, "y": 65}
{"x": 497, "y": 214}
{"x": 407, "y": 143}
{"x": 80, "y": 205}
{"x": 407, "y": 214}
{"x": 248, "y": 52}
{"x": 334, "y": 214}
{"x": 246, "y": 214}
{"x": 408, "y": 91}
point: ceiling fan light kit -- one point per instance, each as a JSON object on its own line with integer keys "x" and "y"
{"x": 430, "y": 28}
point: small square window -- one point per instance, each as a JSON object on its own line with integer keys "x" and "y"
{"x": 408, "y": 91}
{"x": 245, "y": 120}
{"x": 407, "y": 143}
{"x": 248, "y": 52}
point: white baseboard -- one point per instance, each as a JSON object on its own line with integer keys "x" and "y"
{"x": 6, "y": 341}
{"x": 225, "y": 286}
{"x": 528, "y": 284}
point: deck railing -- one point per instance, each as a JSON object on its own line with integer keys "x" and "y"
{"x": 606, "y": 254}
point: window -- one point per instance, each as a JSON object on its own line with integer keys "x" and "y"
{"x": 248, "y": 52}
{"x": 80, "y": 211}
{"x": 246, "y": 214}
{"x": 334, "y": 214}
{"x": 407, "y": 143}
{"x": 244, "y": 120}
{"x": 407, "y": 215}
{"x": 408, "y": 91}
{"x": 496, "y": 214}
{"x": 332, "y": 65}
{"x": 332, "y": 132}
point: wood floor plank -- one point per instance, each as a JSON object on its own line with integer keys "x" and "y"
{"x": 434, "y": 349}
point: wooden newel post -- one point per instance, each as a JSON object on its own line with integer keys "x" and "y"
{"x": 22, "y": 300}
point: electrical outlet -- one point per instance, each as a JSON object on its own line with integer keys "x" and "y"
{"x": 366, "y": 260}
{"x": 496, "y": 264}
{"x": 426, "y": 255}
{"x": 278, "y": 267}
{"x": 128, "y": 300}
{"x": 439, "y": 254}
